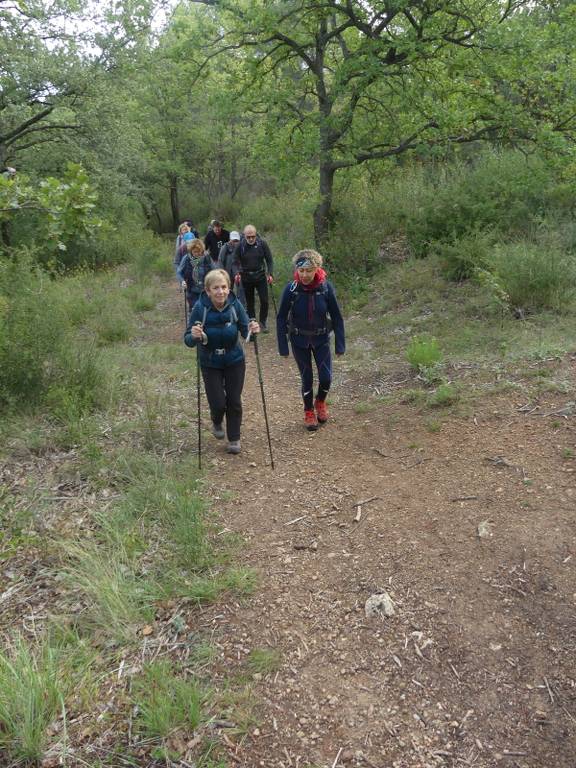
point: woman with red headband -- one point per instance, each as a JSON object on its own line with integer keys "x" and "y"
{"x": 308, "y": 313}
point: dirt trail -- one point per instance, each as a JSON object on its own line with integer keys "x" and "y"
{"x": 476, "y": 667}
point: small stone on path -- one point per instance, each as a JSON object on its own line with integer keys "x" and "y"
{"x": 379, "y": 604}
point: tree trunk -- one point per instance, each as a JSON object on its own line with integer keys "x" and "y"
{"x": 323, "y": 211}
{"x": 233, "y": 186}
{"x": 326, "y": 141}
{"x": 174, "y": 201}
{"x": 5, "y": 238}
{"x": 156, "y": 213}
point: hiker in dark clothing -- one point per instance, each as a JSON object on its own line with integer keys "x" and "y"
{"x": 214, "y": 324}
{"x": 307, "y": 314}
{"x": 215, "y": 238}
{"x": 192, "y": 271}
{"x": 254, "y": 269}
{"x": 227, "y": 259}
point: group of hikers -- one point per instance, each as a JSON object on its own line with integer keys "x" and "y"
{"x": 221, "y": 275}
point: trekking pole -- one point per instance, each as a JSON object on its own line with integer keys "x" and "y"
{"x": 198, "y": 399}
{"x": 255, "y": 341}
{"x": 185, "y": 307}
{"x": 273, "y": 299}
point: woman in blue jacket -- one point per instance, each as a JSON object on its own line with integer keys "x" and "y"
{"x": 215, "y": 322}
{"x": 308, "y": 313}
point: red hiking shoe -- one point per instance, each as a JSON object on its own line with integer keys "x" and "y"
{"x": 310, "y": 421}
{"x": 321, "y": 410}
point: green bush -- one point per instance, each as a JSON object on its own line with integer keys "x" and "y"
{"x": 423, "y": 352}
{"x": 32, "y": 331}
{"x": 459, "y": 259}
{"x": 445, "y": 395}
{"x": 535, "y": 277}
{"x": 43, "y": 356}
{"x": 502, "y": 191}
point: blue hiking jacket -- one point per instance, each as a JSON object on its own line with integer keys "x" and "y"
{"x": 222, "y": 328}
{"x": 303, "y": 315}
{"x": 193, "y": 271}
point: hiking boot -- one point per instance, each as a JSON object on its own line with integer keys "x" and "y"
{"x": 310, "y": 421}
{"x": 233, "y": 446}
{"x": 217, "y": 430}
{"x": 264, "y": 328}
{"x": 321, "y": 411}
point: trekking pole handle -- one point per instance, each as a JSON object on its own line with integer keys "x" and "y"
{"x": 198, "y": 324}
{"x": 250, "y": 320}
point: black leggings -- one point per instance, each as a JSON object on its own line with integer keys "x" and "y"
{"x": 224, "y": 392}
{"x": 262, "y": 287}
{"x": 323, "y": 358}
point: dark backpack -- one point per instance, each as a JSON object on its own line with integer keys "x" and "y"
{"x": 322, "y": 290}
{"x": 252, "y": 275}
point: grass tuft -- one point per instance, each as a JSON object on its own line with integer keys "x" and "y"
{"x": 31, "y": 697}
{"x": 166, "y": 702}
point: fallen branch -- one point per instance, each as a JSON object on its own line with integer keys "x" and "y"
{"x": 296, "y": 520}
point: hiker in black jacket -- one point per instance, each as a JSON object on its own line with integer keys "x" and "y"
{"x": 215, "y": 238}
{"x": 255, "y": 271}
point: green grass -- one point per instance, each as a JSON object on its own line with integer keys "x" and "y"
{"x": 444, "y": 396}
{"x": 166, "y": 702}
{"x": 423, "y": 353}
{"x": 118, "y": 600}
{"x": 32, "y": 693}
{"x": 264, "y": 661}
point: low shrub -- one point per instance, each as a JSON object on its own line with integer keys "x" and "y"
{"x": 503, "y": 192}
{"x": 535, "y": 277}
{"x": 423, "y": 352}
{"x": 459, "y": 259}
{"x": 445, "y": 395}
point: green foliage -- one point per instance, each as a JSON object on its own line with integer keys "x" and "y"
{"x": 423, "y": 352}
{"x": 38, "y": 358}
{"x": 462, "y": 257}
{"x": 31, "y": 696}
{"x": 534, "y": 276}
{"x": 445, "y": 395}
{"x": 501, "y": 192}
{"x": 62, "y": 209}
{"x": 166, "y": 702}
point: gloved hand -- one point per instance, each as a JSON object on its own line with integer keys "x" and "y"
{"x": 237, "y": 278}
{"x": 183, "y": 284}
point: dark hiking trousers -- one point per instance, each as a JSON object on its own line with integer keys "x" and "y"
{"x": 323, "y": 358}
{"x": 224, "y": 393}
{"x": 249, "y": 289}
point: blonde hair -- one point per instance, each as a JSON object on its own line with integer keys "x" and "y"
{"x": 195, "y": 245}
{"x": 214, "y": 275}
{"x": 313, "y": 257}
{"x": 184, "y": 224}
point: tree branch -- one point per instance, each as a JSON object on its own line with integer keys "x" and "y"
{"x": 22, "y": 128}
